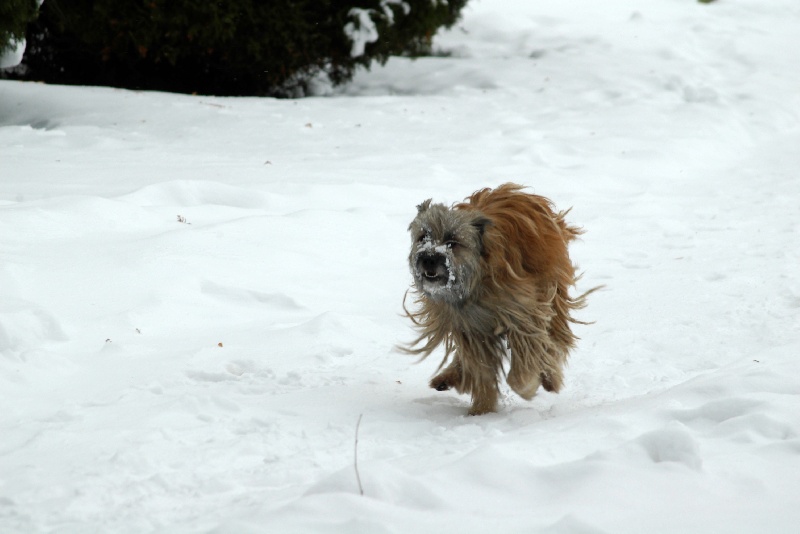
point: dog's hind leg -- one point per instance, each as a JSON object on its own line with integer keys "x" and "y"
{"x": 552, "y": 375}
{"x": 525, "y": 375}
{"x": 552, "y": 380}
{"x": 523, "y": 381}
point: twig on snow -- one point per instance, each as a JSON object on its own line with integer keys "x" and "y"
{"x": 355, "y": 456}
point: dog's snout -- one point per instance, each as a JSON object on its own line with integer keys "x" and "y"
{"x": 431, "y": 265}
{"x": 428, "y": 263}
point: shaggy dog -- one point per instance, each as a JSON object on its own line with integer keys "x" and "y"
{"x": 492, "y": 276}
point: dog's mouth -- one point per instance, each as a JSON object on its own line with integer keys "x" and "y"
{"x": 434, "y": 278}
{"x": 433, "y": 274}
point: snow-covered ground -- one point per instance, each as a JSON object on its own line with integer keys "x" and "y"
{"x": 206, "y": 374}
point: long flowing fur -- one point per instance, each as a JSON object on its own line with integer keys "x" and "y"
{"x": 517, "y": 305}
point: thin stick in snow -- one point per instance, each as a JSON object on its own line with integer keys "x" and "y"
{"x": 355, "y": 456}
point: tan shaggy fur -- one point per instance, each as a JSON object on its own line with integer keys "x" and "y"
{"x": 492, "y": 277}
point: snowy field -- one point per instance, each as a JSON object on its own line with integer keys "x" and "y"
{"x": 200, "y": 296}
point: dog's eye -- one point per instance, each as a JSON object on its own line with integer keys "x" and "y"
{"x": 422, "y": 238}
{"x": 452, "y": 244}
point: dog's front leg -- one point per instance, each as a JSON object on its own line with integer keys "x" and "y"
{"x": 451, "y": 377}
{"x": 484, "y": 396}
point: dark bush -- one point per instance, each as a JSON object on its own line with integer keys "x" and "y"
{"x": 14, "y": 18}
{"x": 227, "y": 47}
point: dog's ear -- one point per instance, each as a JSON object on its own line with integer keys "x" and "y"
{"x": 424, "y": 206}
{"x": 480, "y": 222}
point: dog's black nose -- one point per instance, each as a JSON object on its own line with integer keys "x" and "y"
{"x": 428, "y": 263}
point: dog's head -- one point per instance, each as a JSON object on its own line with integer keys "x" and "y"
{"x": 446, "y": 249}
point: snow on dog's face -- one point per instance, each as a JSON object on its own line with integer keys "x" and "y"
{"x": 445, "y": 252}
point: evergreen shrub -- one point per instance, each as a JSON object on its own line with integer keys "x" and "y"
{"x": 225, "y": 47}
{"x": 14, "y": 18}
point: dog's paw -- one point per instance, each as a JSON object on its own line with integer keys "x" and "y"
{"x": 481, "y": 408}
{"x": 439, "y": 384}
{"x": 449, "y": 378}
{"x": 552, "y": 382}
